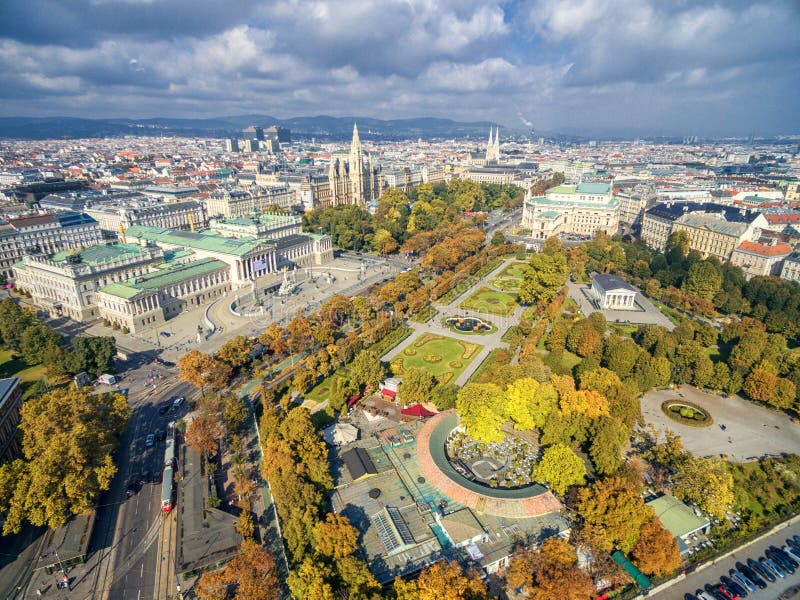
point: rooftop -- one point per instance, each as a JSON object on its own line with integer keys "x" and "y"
{"x": 168, "y": 274}
{"x": 7, "y": 386}
{"x": 201, "y": 240}
{"x": 612, "y": 282}
{"x": 102, "y": 253}
{"x": 780, "y": 249}
{"x": 675, "y": 516}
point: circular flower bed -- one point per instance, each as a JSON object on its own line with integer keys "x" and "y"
{"x": 686, "y": 413}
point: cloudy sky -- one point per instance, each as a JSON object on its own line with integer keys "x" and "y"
{"x": 647, "y": 66}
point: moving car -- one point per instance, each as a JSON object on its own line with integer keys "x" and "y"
{"x": 164, "y": 408}
{"x": 176, "y": 403}
{"x": 132, "y": 487}
{"x": 149, "y": 440}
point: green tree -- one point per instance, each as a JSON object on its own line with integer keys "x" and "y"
{"x": 416, "y": 386}
{"x": 36, "y": 340}
{"x": 609, "y": 437}
{"x": 620, "y": 355}
{"x": 68, "y": 438}
{"x": 560, "y": 468}
{"x": 366, "y": 369}
{"x": 480, "y": 407}
{"x": 547, "y": 275}
{"x": 704, "y": 279}
{"x": 13, "y": 322}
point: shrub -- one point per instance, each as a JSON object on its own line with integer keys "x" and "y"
{"x": 125, "y": 329}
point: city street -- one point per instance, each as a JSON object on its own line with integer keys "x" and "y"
{"x": 124, "y": 549}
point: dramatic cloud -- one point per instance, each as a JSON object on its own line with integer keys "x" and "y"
{"x": 598, "y": 66}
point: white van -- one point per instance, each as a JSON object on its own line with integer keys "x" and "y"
{"x": 107, "y": 379}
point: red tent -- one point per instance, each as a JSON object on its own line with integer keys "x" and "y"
{"x": 417, "y": 411}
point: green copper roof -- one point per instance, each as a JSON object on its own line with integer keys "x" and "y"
{"x": 676, "y": 517}
{"x": 94, "y": 255}
{"x": 168, "y": 274}
{"x": 563, "y": 189}
{"x": 120, "y": 290}
{"x": 581, "y": 188}
{"x": 200, "y": 240}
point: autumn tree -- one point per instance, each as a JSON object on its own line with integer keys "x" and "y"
{"x": 656, "y": 553}
{"x": 589, "y": 403}
{"x": 613, "y": 512}
{"x": 68, "y": 440}
{"x": 203, "y": 434}
{"x": 235, "y": 352}
{"x": 251, "y": 575}
{"x": 416, "y": 386}
{"x": 705, "y": 481}
{"x": 202, "y": 370}
{"x": 443, "y": 580}
{"x": 335, "y": 537}
{"x": 560, "y": 468}
{"x": 528, "y": 402}
{"x": 583, "y": 338}
{"x": 480, "y": 407}
{"x": 550, "y": 572}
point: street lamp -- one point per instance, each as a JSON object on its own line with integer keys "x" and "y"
{"x": 64, "y": 576}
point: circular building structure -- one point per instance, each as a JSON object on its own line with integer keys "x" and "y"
{"x": 533, "y": 500}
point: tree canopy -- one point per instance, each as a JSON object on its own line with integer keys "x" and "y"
{"x": 68, "y": 439}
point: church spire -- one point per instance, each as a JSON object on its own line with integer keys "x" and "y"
{"x": 490, "y": 138}
{"x": 355, "y": 146}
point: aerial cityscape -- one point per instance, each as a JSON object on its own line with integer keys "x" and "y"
{"x": 399, "y": 300}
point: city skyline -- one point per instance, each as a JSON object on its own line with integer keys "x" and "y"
{"x": 583, "y": 66}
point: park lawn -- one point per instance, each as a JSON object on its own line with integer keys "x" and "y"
{"x": 11, "y": 366}
{"x": 443, "y": 357}
{"x": 515, "y": 269}
{"x": 489, "y": 301}
{"x": 623, "y": 330}
{"x": 322, "y": 390}
{"x": 505, "y": 284}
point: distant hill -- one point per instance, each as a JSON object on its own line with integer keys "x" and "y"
{"x": 323, "y": 127}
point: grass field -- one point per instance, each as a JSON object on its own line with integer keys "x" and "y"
{"x": 443, "y": 357}
{"x": 505, "y": 284}
{"x": 16, "y": 367}
{"x": 517, "y": 269}
{"x": 489, "y": 301}
{"x": 321, "y": 392}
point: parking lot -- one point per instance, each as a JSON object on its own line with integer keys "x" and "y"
{"x": 711, "y": 574}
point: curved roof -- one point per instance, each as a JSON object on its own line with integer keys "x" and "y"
{"x": 531, "y": 501}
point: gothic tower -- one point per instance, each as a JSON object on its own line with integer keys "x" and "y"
{"x": 356, "y": 169}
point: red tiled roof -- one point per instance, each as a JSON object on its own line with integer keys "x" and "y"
{"x": 782, "y": 218}
{"x": 780, "y": 249}
{"x": 31, "y": 221}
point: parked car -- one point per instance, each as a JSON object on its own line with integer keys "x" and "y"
{"x": 733, "y": 586}
{"x": 772, "y": 566}
{"x": 149, "y": 440}
{"x": 751, "y": 575}
{"x": 792, "y": 551}
{"x": 176, "y": 403}
{"x": 701, "y": 595}
{"x": 761, "y": 570}
{"x": 145, "y": 477}
{"x": 743, "y": 580}
{"x": 156, "y": 476}
{"x": 785, "y": 556}
{"x": 713, "y": 592}
{"x": 688, "y": 596}
{"x": 726, "y": 593}
{"x": 160, "y": 435}
{"x": 132, "y": 487}
{"x": 164, "y": 408}
{"x": 779, "y": 559}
